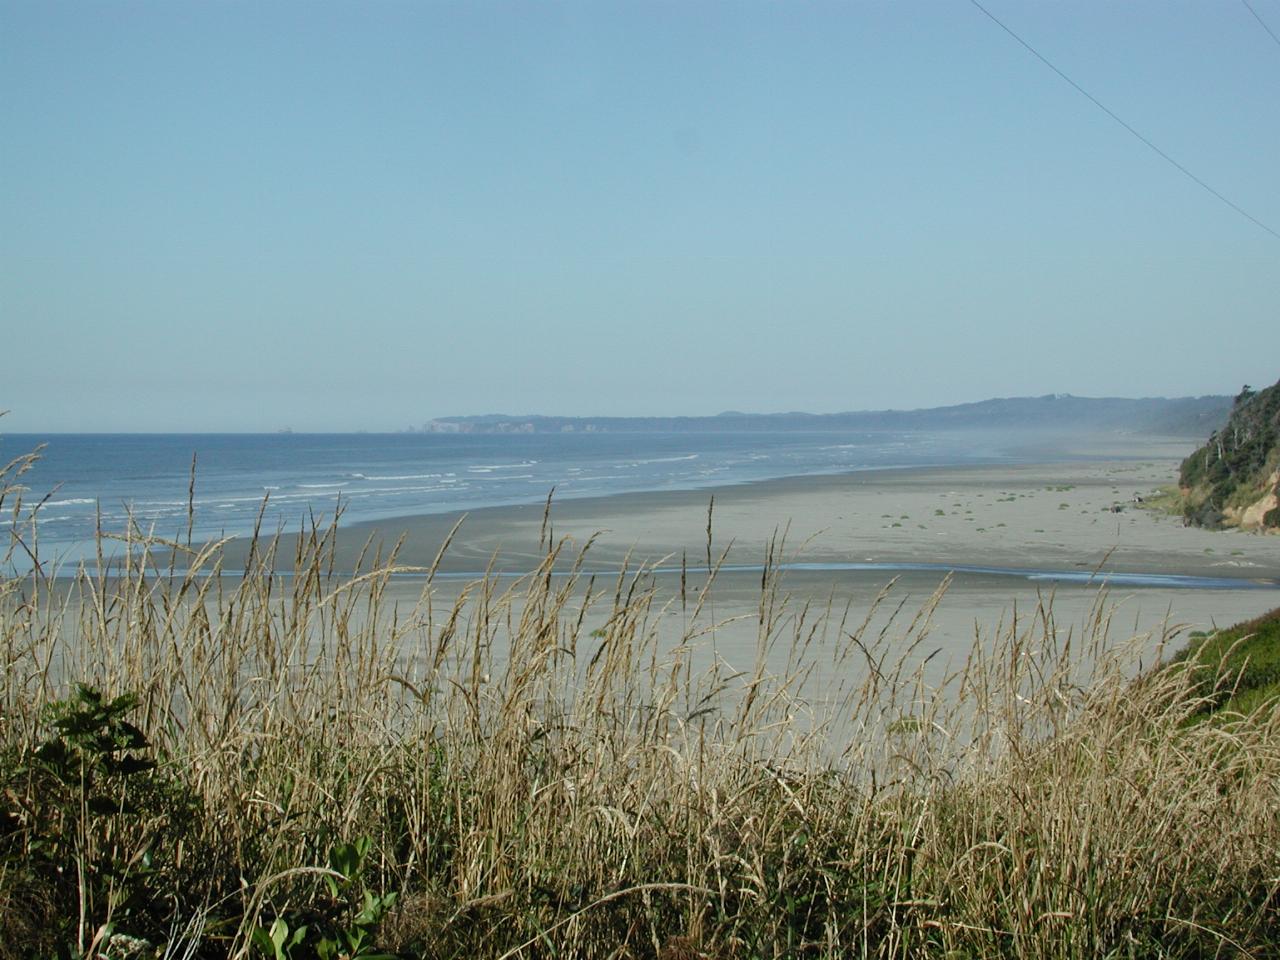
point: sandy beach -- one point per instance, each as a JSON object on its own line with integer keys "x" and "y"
{"x": 1074, "y": 517}
{"x": 1046, "y": 517}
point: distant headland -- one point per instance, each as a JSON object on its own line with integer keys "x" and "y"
{"x": 1178, "y": 417}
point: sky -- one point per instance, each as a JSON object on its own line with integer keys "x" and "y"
{"x": 338, "y": 216}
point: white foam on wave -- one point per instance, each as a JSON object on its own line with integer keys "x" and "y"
{"x": 296, "y": 495}
{"x": 488, "y": 467}
{"x": 640, "y": 463}
{"x": 149, "y": 504}
{"x": 363, "y": 493}
{"x": 402, "y": 476}
{"x": 70, "y": 502}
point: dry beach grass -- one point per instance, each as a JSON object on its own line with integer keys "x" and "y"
{"x": 301, "y": 765}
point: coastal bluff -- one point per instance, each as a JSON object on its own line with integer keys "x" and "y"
{"x": 1234, "y": 479}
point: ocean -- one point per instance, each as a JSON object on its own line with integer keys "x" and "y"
{"x": 84, "y": 479}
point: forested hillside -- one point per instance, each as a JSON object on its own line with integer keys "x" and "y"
{"x": 1234, "y": 479}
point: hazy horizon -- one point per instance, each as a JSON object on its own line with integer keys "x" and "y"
{"x": 533, "y": 415}
{"x": 339, "y": 216}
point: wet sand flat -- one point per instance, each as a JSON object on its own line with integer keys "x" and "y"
{"x": 1056, "y": 516}
{"x": 848, "y": 533}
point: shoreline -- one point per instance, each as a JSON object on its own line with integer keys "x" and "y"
{"x": 1008, "y": 542}
{"x": 869, "y": 543}
{"x": 1045, "y": 516}
{"x": 1004, "y": 538}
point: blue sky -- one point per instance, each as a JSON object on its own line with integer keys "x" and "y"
{"x": 242, "y": 216}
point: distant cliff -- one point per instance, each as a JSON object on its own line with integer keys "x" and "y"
{"x": 1234, "y": 479}
{"x": 1179, "y": 417}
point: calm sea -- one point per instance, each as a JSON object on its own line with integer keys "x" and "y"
{"x": 375, "y": 476}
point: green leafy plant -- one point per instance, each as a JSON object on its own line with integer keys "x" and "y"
{"x": 95, "y": 749}
{"x": 85, "y": 813}
{"x": 346, "y": 930}
{"x": 279, "y": 940}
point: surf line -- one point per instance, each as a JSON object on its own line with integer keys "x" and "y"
{"x": 1099, "y": 578}
{"x": 1082, "y": 577}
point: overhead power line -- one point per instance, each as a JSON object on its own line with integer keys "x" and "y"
{"x": 1263, "y": 23}
{"x": 1105, "y": 109}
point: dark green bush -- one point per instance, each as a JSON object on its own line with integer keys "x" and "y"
{"x": 88, "y": 824}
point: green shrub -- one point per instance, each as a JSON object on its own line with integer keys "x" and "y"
{"x": 87, "y": 825}
{"x": 1237, "y": 668}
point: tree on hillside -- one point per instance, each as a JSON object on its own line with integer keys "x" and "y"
{"x": 1234, "y": 467}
